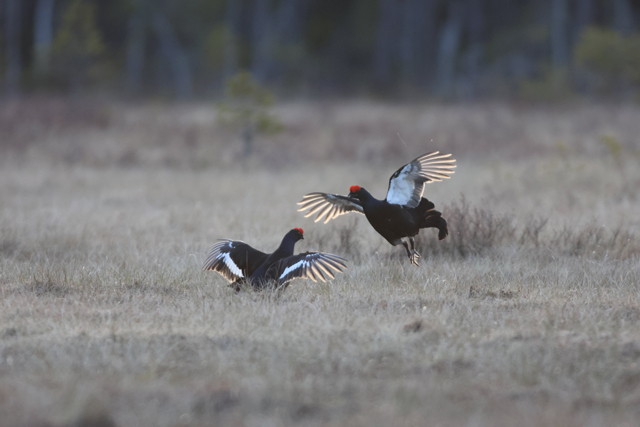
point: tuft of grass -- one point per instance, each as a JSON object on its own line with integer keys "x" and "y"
{"x": 477, "y": 231}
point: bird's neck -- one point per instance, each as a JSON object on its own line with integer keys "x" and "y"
{"x": 368, "y": 200}
{"x": 286, "y": 246}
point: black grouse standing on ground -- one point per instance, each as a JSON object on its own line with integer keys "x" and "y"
{"x": 403, "y": 213}
{"x": 241, "y": 264}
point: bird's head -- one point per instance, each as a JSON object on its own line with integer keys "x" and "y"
{"x": 298, "y": 233}
{"x": 356, "y": 192}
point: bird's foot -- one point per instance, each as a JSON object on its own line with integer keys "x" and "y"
{"x": 413, "y": 257}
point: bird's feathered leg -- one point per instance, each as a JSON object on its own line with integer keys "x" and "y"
{"x": 239, "y": 286}
{"x": 415, "y": 253}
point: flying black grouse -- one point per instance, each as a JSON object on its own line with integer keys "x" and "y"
{"x": 241, "y": 264}
{"x": 403, "y": 213}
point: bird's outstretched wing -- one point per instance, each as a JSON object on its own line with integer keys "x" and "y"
{"x": 407, "y": 183}
{"x": 331, "y": 205}
{"x": 312, "y": 265}
{"x": 233, "y": 259}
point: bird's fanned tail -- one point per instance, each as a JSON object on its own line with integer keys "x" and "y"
{"x": 432, "y": 218}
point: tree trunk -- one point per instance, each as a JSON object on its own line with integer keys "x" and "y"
{"x": 14, "y": 60}
{"x": 473, "y": 57}
{"x": 584, "y": 17}
{"x": 623, "y": 17}
{"x": 175, "y": 55}
{"x": 42, "y": 36}
{"x": 135, "y": 52}
{"x": 287, "y": 22}
{"x": 448, "y": 49}
{"x": 232, "y": 20}
{"x": 415, "y": 41}
{"x": 385, "y": 42}
{"x": 559, "y": 34}
{"x": 262, "y": 40}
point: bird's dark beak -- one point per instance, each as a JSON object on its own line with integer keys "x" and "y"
{"x": 353, "y": 199}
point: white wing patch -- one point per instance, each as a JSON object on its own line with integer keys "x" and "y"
{"x": 220, "y": 260}
{"x": 401, "y": 188}
{"x": 302, "y": 263}
{"x": 407, "y": 183}
{"x": 316, "y": 266}
{"x": 226, "y": 258}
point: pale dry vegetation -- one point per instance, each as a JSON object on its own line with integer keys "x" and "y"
{"x": 528, "y": 314}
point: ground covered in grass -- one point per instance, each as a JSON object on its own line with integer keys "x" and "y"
{"x": 528, "y": 313}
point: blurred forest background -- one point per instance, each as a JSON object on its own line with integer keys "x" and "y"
{"x": 541, "y": 50}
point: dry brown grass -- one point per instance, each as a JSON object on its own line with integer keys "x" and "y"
{"x": 528, "y": 313}
{"x": 99, "y": 133}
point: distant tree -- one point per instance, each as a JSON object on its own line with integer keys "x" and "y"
{"x": 584, "y": 15}
{"x": 232, "y": 20}
{"x": 42, "y": 38}
{"x": 416, "y": 40}
{"x": 612, "y": 56}
{"x": 135, "y": 45}
{"x": 559, "y": 36}
{"x": 13, "y": 18}
{"x": 623, "y": 20}
{"x": 387, "y": 33}
{"x": 277, "y": 31}
{"x": 246, "y": 108}
{"x": 474, "y": 55}
{"x": 448, "y": 46}
{"x": 452, "y": 48}
{"x": 222, "y": 45}
{"x": 174, "y": 54}
{"x": 78, "y": 48}
{"x": 262, "y": 39}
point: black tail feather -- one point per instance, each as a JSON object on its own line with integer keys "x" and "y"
{"x": 432, "y": 218}
{"x": 424, "y": 206}
{"x": 443, "y": 229}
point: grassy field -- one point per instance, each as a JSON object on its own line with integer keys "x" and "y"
{"x": 528, "y": 314}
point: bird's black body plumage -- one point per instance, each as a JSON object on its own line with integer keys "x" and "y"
{"x": 243, "y": 265}
{"x": 402, "y": 213}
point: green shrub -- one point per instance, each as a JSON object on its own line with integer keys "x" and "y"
{"x": 246, "y": 108}
{"x": 609, "y": 55}
{"x": 553, "y": 85}
{"x": 78, "y": 48}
